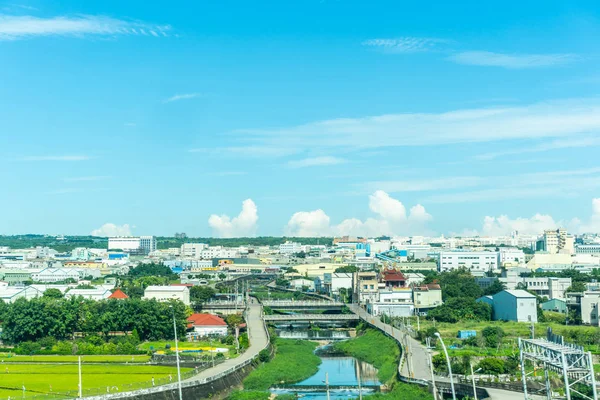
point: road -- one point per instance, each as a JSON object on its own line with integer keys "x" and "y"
{"x": 419, "y": 357}
{"x": 258, "y": 341}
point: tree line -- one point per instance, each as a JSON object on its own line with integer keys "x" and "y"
{"x": 63, "y": 319}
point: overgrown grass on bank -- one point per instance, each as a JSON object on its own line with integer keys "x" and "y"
{"x": 374, "y": 347}
{"x": 403, "y": 391}
{"x": 294, "y": 361}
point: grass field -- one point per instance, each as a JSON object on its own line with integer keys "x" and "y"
{"x": 583, "y": 335}
{"x": 5, "y": 358}
{"x": 44, "y": 379}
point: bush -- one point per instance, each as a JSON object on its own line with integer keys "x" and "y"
{"x": 491, "y": 365}
{"x": 249, "y": 395}
{"x": 28, "y": 348}
{"x": 264, "y": 355}
{"x": 492, "y": 336}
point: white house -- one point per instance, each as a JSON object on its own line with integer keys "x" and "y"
{"x": 90, "y": 294}
{"x": 298, "y": 284}
{"x": 204, "y": 325}
{"x": 166, "y": 293}
{"x": 341, "y": 280}
{"x": 397, "y": 302}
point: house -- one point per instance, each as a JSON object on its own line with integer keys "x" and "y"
{"x": 9, "y": 294}
{"x": 512, "y": 305}
{"x": 90, "y": 294}
{"x": 427, "y": 296}
{"x": 393, "y": 279}
{"x": 118, "y": 295}
{"x": 203, "y": 325}
{"x": 299, "y": 284}
{"x": 366, "y": 287}
{"x": 396, "y": 302}
{"x": 166, "y": 293}
{"x": 341, "y": 280}
{"x": 556, "y": 305}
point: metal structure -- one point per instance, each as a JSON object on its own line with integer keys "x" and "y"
{"x": 554, "y": 355}
{"x": 311, "y": 317}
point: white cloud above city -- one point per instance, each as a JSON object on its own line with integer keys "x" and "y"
{"x": 111, "y": 230}
{"x": 244, "y": 224}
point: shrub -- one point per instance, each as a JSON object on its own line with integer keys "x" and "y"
{"x": 491, "y": 365}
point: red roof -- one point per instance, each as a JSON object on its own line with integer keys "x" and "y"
{"x": 206, "y": 320}
{"x": 428, "y": 287}
{"x": 118, "y": 294}
{"x": 182, "y": 284}
{"x": 393, "y": 276}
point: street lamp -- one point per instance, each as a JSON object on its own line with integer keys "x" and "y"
{"x": 448, "y": 363}
{"x": 473, "y": 379}
{"x": 177, "y": 354}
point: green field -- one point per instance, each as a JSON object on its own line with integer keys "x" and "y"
{"x": 51, "y": 378}
{"x": 5, "y": 358}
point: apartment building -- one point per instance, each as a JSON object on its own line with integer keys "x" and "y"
{"x": 478, "y": 262}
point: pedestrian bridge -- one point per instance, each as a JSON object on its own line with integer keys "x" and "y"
{"x": 303, "y": 305}
{"x": 311, "y": 317}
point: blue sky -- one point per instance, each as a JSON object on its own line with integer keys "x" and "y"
{"x": 330, "y": 116}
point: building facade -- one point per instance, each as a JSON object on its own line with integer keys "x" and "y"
{"x": 474, "y": 261}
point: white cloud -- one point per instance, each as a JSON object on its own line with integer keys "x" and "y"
{"x": 56, "y": 158}
{"x": 251, "y": 151}
{"x": 512, "y": 61}
{"x": 391, "y": 218}
{"x": 308, "y": 223}
{"x": 556, "y": 144}
{"x": 245, "y": 224}
{"x": 110, "y": 230}
{"x": 593, "y": 224}
{"x": 315, "y": 162}
{"x": 22, "y": 27}
{"x": 405, "y": 44}
{"x": 555, "y": 119}
{"x": 185, "y": 96}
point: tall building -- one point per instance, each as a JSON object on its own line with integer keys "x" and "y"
{"x": 478, "y": 262}
{"x": 558, "y": 241}
{"x": 142, "y": 244}
{"x": 148, "y": 243}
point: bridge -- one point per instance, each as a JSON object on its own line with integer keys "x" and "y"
{"x": 323, "y": 388}
{"x": 224, "y": 306}
{"x": 303, "y": 305}
{"x": 311, "y": 317}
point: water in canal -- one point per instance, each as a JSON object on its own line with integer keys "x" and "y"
{"x": 341, "y": 371}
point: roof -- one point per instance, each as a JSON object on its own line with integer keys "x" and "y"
{"x": 428, "y": 287}
{"x": 118, "y": 294}
{"x": 183, "y": 284}
{"x": 206, "y": 320}
{"x": 166, "y": 288}
{"x": 393, "y": 275}
{"x": 519, "y": 293}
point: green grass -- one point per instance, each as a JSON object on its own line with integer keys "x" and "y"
{"x": 249, "y": 395}
{"x": 375, "y": 348}
{"x": 73, "y": 359}
{"x": 403, "y": 391}
{"x": 160, "y": 345}
{"x": 294, "y": 361}
{"x": 583, "y": 335}
{"x": 40, "y": 379}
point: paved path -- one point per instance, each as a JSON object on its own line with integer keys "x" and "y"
{"x": 258, "y": 341}
{"x": 419, "y": 357}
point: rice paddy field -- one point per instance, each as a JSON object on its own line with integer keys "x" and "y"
{"x": 50, "y": 377}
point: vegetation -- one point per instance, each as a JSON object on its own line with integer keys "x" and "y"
{"x": 461, "y": 308}
{"x": 294, "y": 361}
{"x": 456, "y": 283}
{"x": 249, "y": 395}
{"x": 59, "y": 319}
{"x": 200, "y": 295}
{"x": 403, "y": 391}
{"x": 151, "y": 269}
{"x": 346, "y": 269}
{"x": 372, "y": 346}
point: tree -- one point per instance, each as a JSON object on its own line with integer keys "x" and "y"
{"x": 492, "y": 336}
{"x": 346, "y": 269}
{"x": 53, "y": 293}
{"x": 300, "y": 254}
{"x": 151, "y": 269}
{"x": 491, "y": 365}
{"x": 461, "y": 308}
{"x": 201, "y": 294}
{"x": 456, "y": 283}
{"x": 222, "y": 276}
{"x": 577, "y": 287}
{"x": 494, "y": 288}
{"x": 234, "y": 320}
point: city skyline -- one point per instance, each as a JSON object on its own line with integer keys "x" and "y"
{"x": 319, "y": 118}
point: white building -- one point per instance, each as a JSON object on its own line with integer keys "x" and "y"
{"x": 206, "y": 325}
{"x": 512, "y": 305}
{"x": 558, "y": 241}
{"x": 219, "y": 252}
{"x": 192, "y": 250}
{"x": 48, "y": 275}
{"x": 166, "y": 293}
{"x": 395, "y": 303}
{"x": 593, "y": 249}
{"x": 290, "y": 248}
{"x": 341, "y": 280}
{"x": 511, "y": 257}
{"x": 147, "y": 244}
{"x": 475, "y": 261}
{"x": 9, "y": 294}
{"x": 96, "y": 294}
{"x": 299, "y": 284}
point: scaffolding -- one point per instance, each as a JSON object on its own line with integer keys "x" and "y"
{"x": 569, "y": 360}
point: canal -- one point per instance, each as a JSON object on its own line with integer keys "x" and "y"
{"x": 346, "y": 376}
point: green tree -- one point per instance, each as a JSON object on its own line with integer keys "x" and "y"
{"x": 346, "y": 269}
{"x": 491, "y": 365}
{"x": 577, "y": 287}
{"x": 201, "y": 294}
{"x": 492, "y": 336}
{"x": 456, "y": 283}
{"x": 494, "y": 288}
{"x": 53, "y": 293}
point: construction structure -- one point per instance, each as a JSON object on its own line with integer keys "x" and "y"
{"x": 568, "y": 360}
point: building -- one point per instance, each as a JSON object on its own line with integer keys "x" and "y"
{"x": 397, "y": 302}
{"x": 49, "y": 275}
{"x": 590, "y": 301}
{"x": 558, "y": 241}
{"x": 302, "y": 283}
{"x": 166, "y": 293}
{"x": 90, "y": 294}
{"x": 512, "y": 305}
{"x": 118, "y": 294}
{"x": 290, "y": 248}
{"x": 509, "y": 257}
{"x": 341, "y": 280}
{"x": 393, "y": 279}
{"x": 553, "y": 288}
{"x": 192, "y": 250}
{"x": 366, "y": 288}
{"x": 593, "y": 249}
{"x": 206, "y": 325}
{"x": 142, "y": 244}
{"x": 556, "y": 305}
{"x": 426, "y": 297}
{"x": 9, "y": 294}
{"x": 15, "y": 276}
{"x": 474, "y": 261}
